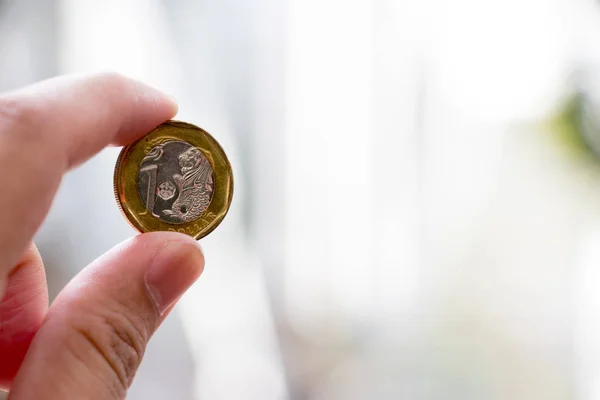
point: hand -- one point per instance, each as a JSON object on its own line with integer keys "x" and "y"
{"x": 90, "y": 342}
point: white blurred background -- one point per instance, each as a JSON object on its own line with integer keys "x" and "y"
{"x": 417, "y": 206}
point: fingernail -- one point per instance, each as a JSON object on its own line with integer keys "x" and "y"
{"x": 173, "y": 270}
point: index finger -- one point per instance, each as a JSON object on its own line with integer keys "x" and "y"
{"x": 50, "y": 127}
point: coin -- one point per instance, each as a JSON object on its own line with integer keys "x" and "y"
{"x": 177, "y": 178}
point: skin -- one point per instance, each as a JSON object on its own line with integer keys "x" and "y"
{"x": 91, "y": 340}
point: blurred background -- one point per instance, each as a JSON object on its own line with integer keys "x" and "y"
{"x": 417, "y": 206}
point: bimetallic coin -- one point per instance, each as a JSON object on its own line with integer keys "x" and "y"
{"x": 177, "y": 178}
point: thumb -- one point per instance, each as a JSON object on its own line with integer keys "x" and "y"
{"x": 93, "y": 338}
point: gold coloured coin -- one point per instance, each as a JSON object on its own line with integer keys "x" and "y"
{"x": 177, "y": 178}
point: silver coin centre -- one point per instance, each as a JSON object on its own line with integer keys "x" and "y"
{"x": 175, "y": 182}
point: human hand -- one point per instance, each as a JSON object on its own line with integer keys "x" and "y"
{"x": 90, "y": 342}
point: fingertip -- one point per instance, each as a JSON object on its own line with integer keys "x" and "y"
{"x": 151, "y": 244}
{"x": 162, "y": 104}
{"x": 150, "y": 108}
{"x": 177, "y": 264}
{"x": 172, "y": 105}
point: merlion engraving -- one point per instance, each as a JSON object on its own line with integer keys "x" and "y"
{"x": 175, "y": 182}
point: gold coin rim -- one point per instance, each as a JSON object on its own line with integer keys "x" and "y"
{"x": 127, "y": 167}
